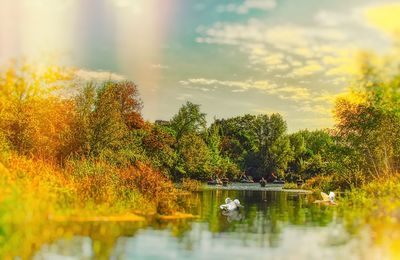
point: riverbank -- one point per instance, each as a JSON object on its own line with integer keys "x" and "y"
{"x": 375, "y": 205}
{"x": 255, "y": 187}
{"x": 35, "y": 190}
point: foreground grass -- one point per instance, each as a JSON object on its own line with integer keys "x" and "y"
{"x": 376, "y": 205}
{"x": 33, "y": 190}
{"x": 38, "y": 197}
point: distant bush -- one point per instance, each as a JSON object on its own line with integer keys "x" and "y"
{"x": 290, "y": 185}
{"x": 335, "y": 181}
{"x": 321, "y": 183}
{"x": 191, "y": 185}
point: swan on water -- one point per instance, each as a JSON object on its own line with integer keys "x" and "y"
{"x": 331, "y": 197}
{"x": 327, "y": 199}
{"x": 230, "y": 205}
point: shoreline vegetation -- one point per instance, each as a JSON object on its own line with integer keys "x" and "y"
{"x": 91, "y": 156}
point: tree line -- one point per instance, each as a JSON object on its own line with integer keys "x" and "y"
{"x": 102, "y": 121}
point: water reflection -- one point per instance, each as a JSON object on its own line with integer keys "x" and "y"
{"x": 271, "y": 224}
{"x": 234, "y": 215}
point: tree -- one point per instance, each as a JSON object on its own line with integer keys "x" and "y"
{"x": 250, "y": 142}
{"x": 158, "y": 144}
{"x": 130, "y": 104}
{"x": 34, "y": 119}
{"x": 194, "y": 154}
{"x": 373, "y": 132}
{"x": 187, "y": 125}
{"x": 312, "y": 153}
{"x": 104, "y": 119}
{"x": 368, "y": 119}
{"x": 237, "y": 139}
{"x": 279, "y": 154}
{"x": 188, "y": 120}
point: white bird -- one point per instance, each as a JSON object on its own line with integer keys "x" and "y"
{"x": 230, "y": 205}
{"x": 237, "y": 202}
{"x": 331, "y": 197}
{"x": 327, "y": 199}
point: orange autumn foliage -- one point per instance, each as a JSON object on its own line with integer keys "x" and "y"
{"x": 152, "y": 184}
{"x": 39, "y": 127}
{"x": 61, "y": 153}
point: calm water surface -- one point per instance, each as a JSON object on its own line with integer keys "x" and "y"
{"x": 272, "y": 225}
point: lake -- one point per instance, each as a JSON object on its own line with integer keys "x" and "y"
{"x": 273, "y": 224}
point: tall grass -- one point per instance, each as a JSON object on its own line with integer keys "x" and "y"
{"x": 34, "y": 190}
{"x": 155, "y": 187}
{"x": 376, "y": 205}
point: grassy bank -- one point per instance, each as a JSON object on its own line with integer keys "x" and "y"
{"x": 376, "y": 205}
{"x": 40, "y": 200}
{"x": 33, "y": 190}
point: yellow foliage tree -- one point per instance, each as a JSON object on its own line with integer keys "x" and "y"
{"x": 33, "y": 119}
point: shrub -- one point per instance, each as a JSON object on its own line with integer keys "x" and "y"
{"x": 321, "y": 182}
{"x": 32, "y": 189}
{"x": 94, "y": 181}
{"x": 154, "y": 186}
{"x": 191, "y": 185}
{"x": 290, "y": 185}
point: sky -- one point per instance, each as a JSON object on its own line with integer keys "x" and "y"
{"x": 231, "y": 57}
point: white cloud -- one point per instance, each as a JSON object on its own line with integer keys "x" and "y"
{"x": 238, "y": 90}
{"x": 294, "y": 93}
{"x": 264, "y": 85}
{"x": 284, "y": 92}
{"x": 310, "y": 68}
{"x": 329, "y": 18}
{"x": 304, "y": 99}
{"x": 318, "y": 122}
{"x": 316, "y": 108}
{"x": 279, "y": 46}
{"x": 91, "y": 75}
{"x": 276, "y": 47}
{"x": 247, "y": 5}
{"x": 159, "y": 66}
{"x": 263, "y": 110}
{"x": 184, "y": 96}
{"x": 274, "y": 59}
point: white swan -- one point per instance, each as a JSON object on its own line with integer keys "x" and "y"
{"x": 237, "y": 202}
{"x": 230, "y": 205}
{"x": 331, "y": 197}
{"x": 327, "y": 199}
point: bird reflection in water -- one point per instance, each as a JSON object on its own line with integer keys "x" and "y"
{"x": 233, "y": 215}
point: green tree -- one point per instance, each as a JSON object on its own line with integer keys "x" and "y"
{"x": 194, "y": 155}
{"x": 312, "y": 153}
{"x": 250, "y": 141}
{"x": 188, "y": 127}
{"x": 158, "y": 143}
{"x": 368, "y": 119}
{"x": 188, "y": 120}
{"x": 105, "y": 119}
